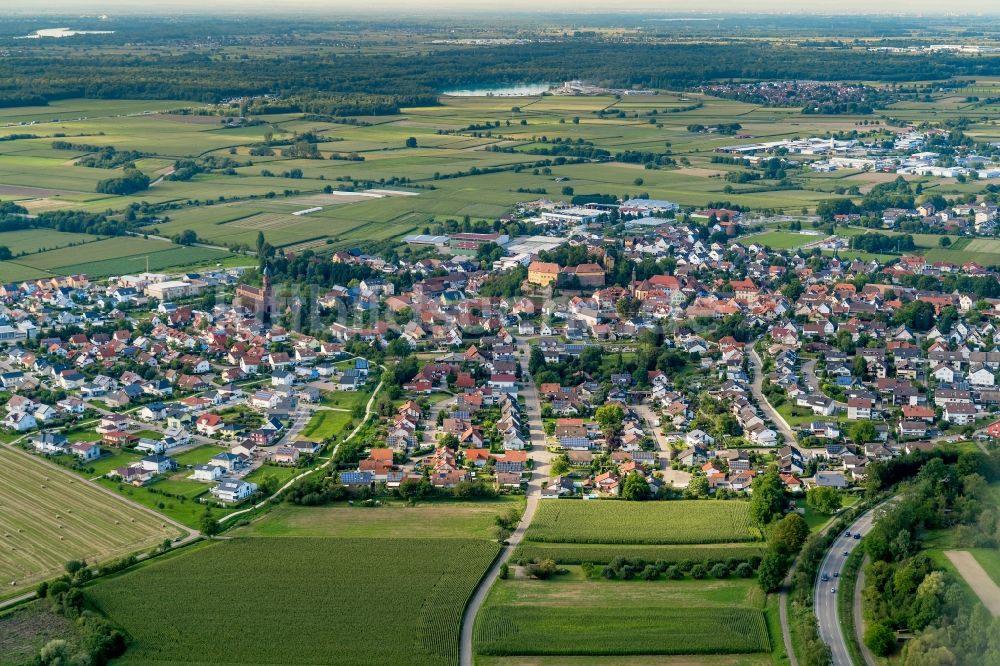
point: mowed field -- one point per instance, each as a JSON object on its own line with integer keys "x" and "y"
{"x": 338, "y": 584}
{"x": 48, "y": 517}
{"x": 620, "y": 522}
{"x": 575, "y": 616}
{"x": 100, "y": 258}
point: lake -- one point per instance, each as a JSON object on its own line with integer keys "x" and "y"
{"x": 522, "y": 90}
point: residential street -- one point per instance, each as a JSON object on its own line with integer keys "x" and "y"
{"x": 812, "y": 381}
{"x": 758, "y": 393}
{"x": 539, "y": 475}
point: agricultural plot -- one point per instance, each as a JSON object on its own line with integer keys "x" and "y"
{"x": 354, "y": 581}
{"x": 578, "y": 553}
{"x": 594, "y": 617}
{"x": 49, "y": 517}
{"x": 610, "y": 631}
{"x": 618, "y": 522}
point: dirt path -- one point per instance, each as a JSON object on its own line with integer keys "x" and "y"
{"x": 977, "y": 578}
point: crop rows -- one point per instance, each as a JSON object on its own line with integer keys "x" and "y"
{"x": 604, "y": 553}
{"x": 619, "y": 522}
{"x": 593, "y": 631}
{"x": 299, "y": 600}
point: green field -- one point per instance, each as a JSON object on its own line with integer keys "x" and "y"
{"x": 391, "y": 581}
{"x": 325, "y": 424}
{"x": 619, "y": 522}
{"x": 471, "y": 520}
{"x": 332, "y": 595}
{"x": 578, "y": 553}
{"x": 576, "y": 616}
{"x": 48, "y": 516}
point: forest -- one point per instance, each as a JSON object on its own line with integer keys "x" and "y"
{"x": 361, "y": 81}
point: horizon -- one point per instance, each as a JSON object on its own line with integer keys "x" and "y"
{"x": 403, "y": 8}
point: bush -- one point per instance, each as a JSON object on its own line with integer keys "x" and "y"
{"x": 588, "y": 569}
{"x": 504, "y": 571}
{"x": 880, "y": 638}
{"x": 744, "y": 570}
{"x": 541, "y": 570}
{"x": 720, "y": 571}
{"x": 698, "y": 571}
{"x": 673, "y": 573}
{"x": 649, "y": 573}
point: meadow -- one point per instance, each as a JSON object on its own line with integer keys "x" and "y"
{"x": 205, "y": 600}
{"x": 571, "y": 615}
{"x": 619, "y": 522}
{"x": 64, "y": 519}
{"x": 324, "y": 424}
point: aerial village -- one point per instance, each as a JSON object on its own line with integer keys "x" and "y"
{"x": 613, "y": 341}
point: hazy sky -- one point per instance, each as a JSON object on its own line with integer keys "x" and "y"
{"x": 415, "y": 7}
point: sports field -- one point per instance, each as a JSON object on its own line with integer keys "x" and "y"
{"x": 48, "y": 516}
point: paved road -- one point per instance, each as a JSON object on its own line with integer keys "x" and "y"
{"x": 812, "y": 381}
{"x": 542, "y": 459}
{"x": 757, "y": 387}
{"x": 825, "y": 601}
{"x": 666, "y": 452}
{"x": 333, "y": 455}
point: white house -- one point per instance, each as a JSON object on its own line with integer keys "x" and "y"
{"x": 157, "y": 463}
{"x": 982, "y": 377}
{"x": 20, "y": 421}
{"x": 207, "y": 473}
{"x": 86, "y": 451}
{"x": 959, "y": 413}
{"x": 234, "y": 490}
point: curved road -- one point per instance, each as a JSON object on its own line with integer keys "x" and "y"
{"x": 542, "y": 459}
{"x": 826, "y": 601}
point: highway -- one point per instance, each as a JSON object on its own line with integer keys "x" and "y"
{"x": 826, "y": 602}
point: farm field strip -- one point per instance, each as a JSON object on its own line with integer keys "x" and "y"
{"x": 633, "y": 630}
{"x": 618, "y": 522}
{"x": 578, "y": 553}
{"x": 48, "y": 517}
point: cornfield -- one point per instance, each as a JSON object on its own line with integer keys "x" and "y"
{"x": 299, "y": 600}
{"x": 605, "y": 631}
{"x": 620, "y": 522}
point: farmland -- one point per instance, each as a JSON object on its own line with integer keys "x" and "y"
{"x": 291, "y": 579}
{"x": 387, "y": 188}
{"x": 65, "y": 519}
{"x": 616, "y": 522}
{"x": 347, "y": 561}
{"x": 577, "y": 553}
{"x": 574, "y": 616}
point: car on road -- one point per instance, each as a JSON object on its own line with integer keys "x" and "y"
{"x": 836, "y": 574}
{"x": 825, "y": 578}
{"x": 857, "y": 535}
{"x": 846, "y": 553}
{"x": 847, "y": 533}
{"x": 833, "y": 590}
